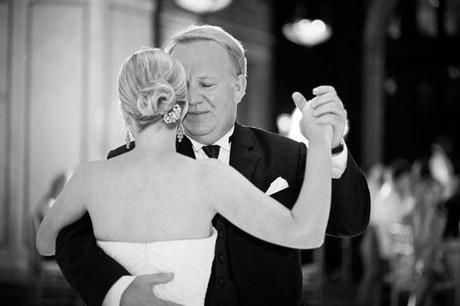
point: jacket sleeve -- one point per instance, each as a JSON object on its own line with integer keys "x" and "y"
{"x": 86, "y": 267}
{"x": 350, "y": 203}
{"x": 350, "y": 206}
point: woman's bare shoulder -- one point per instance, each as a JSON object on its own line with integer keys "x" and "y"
{"x": 92, "y": 167}
{"x": 89, "y": 171}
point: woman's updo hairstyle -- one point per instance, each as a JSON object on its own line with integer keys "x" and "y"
{"x": 150, "y": 83}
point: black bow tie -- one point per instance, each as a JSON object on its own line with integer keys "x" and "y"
{"x": 212, "y": 151}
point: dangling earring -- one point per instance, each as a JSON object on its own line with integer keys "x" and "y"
{"x": 128, "y": 139}
{"x": 180, "y": 132}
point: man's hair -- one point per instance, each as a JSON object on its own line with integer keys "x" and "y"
{"x": 233, "y": 47}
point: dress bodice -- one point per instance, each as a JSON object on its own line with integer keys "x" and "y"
{"x": 190, "y": 260}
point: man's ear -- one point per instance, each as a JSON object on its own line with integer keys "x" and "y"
{"x": 240, "y": 88}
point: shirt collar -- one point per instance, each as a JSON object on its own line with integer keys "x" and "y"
{"x": 223, "y": 142}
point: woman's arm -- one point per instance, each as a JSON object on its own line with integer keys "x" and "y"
{"x": 68, "y": 208}
{"x": 247, "y": 207}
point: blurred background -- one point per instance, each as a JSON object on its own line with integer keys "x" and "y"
{"x": 395, "y": 65}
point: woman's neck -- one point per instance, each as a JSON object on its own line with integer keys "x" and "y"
{"x": 156, "y": 138}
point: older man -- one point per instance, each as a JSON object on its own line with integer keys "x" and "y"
{"x": 246, "y": 270}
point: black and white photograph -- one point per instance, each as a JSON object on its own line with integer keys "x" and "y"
{"x": 229, "y": 152}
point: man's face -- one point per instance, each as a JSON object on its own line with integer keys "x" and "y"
{"x": 213, "y": 89}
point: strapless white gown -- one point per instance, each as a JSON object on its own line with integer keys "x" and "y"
{"x": 190, "y": 260}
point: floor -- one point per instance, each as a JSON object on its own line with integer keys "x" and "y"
{"x": 335, "y": 293}
{"x": 16, "y": 295}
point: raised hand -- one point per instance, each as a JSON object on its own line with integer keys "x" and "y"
{"x": 309, "y": 127}
{"x": 328, "y": 109}
{"x": 140, "y": 291}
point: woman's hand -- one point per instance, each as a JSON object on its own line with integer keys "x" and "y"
{"x": 309, "y": 128}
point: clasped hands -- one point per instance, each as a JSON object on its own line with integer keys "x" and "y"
{"x": 323, "y": 115}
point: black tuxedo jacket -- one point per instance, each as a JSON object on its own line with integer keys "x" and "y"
{"x": 246, "y": 270}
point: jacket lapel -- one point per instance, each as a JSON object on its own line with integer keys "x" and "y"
{"x": 185, "y": 147}
{"x": 242, "y": 156}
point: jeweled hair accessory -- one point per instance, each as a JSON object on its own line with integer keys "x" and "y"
{"x": 173, "y": 115}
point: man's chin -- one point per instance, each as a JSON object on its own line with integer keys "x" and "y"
{"x": 203, "y": 136}
{"x": 197, "y": 127}
{"x": 196, "y": 131}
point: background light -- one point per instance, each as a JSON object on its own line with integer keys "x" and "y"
{"x": 306, "y": 32}
{"x": 203, "y": 6}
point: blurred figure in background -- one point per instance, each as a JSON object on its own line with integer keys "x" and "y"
{"x": 442, "y": 169}
{"x": 390, "y": 202}
{"x": 47, "y": 283}
{"x": 42, "y": 207}
{"x": 376, "y": 177}
{"x": 427, "y": 222}
{"x": 50, "y": 196}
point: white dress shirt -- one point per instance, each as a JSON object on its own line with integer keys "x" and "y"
{"x": 223, "y": 143}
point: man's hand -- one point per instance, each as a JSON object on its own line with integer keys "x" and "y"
{"x": 140, "y": 291}
{"x": 329, "y": 109}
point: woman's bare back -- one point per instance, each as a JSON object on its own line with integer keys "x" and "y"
{"x": 136, "y": 198}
